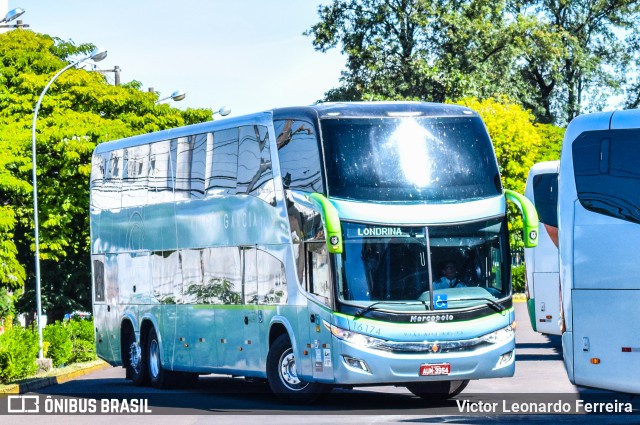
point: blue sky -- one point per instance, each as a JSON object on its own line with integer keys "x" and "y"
{"x": 247, "y": 54}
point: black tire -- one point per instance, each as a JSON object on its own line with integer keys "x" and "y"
{"x": 158, "y": 376}
{"x": 437, "y": 390}
{"x": 282, "y": 375}
{"x": 136, "y": 365}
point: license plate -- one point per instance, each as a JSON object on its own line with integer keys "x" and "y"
{"x": 435, "y": 369}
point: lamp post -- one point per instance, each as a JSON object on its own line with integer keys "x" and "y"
{"x": 96, "y": 55}
{"x": 12, "y": 15}
{"x": 223, "y": 111}
{"x": 176, "y": 96}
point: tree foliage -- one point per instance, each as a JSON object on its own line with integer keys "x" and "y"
{"x": 551, "y": 57}
{"x": 79, "y": 111}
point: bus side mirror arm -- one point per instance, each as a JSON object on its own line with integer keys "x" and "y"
{"x": 330, "y": 222}
{"x": 529, "y": 217}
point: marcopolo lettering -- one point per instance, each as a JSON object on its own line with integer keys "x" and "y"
{"x": 379, "y": 231}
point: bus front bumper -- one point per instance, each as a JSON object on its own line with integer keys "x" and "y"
{"x": 365, "y": 366}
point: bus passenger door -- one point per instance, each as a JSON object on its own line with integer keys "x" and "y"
{"x": 252, "y": 317}
{"x": 320, "y": 287}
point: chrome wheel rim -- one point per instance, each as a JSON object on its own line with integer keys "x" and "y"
{"x": 289, "y": 373}
{"x": 135, "y": 355}
{"x": 154, "y": 358}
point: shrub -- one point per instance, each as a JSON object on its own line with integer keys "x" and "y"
{"x": 517, "y": 278}
{"x": 59, "y": 337}
{"x": 82, "y": 338}
{"x": 18, "y": 353}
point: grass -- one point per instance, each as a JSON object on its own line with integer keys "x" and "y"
{"x": 56, "y": 371}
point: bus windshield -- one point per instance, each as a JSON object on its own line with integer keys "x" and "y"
{"x": 434, "y": 159}
{"x": 466, "y": 265}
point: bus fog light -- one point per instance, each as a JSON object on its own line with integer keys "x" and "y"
{"x": 505, "y": 358}
{"x": 356, "y": 363}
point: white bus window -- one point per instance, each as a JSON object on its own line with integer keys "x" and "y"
{"x": 254, "y": 163}
{"x": 192, "y": 275}
{"x": 98, "y": 280}
{"x": 166, "y": 276}
{"x": 222, "y": 274}
{"x": 299, "y": 155}
{"x": 545, "y": 194}
{"x": 113, "y": 181}
{"x": 161, "y": 170}
{"x": 135, "y": 182}
{"x": 250, "y": 281}
{"x": 319, "y": 271}
{"x": 183, "y": 167}
{"x": 224, "y": 166}
{"x": 606, "y": 168}
{"x": 272, "y": 284}
{"x": 198, "y": 165}
{"x": 98, "y": 169}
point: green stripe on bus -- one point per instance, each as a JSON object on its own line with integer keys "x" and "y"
{"x": 529, "y": 217}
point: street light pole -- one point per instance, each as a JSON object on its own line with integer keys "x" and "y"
{"x": 96, "y": 55}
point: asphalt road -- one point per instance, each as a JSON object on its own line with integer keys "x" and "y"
{"x": 540, "y": 379}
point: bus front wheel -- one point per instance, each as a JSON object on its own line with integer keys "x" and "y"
{"x": 282, "y": 375}
{"x": 437, "y": 390}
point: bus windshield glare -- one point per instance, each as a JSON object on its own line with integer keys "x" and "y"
{"x": 434, "y": 159}
{"x": 462, "y": 264}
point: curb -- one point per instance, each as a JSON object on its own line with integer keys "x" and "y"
{"x": 37, "y": 383}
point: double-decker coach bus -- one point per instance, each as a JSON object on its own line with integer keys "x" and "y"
{"x": 304, "y": 246}
{"x": 599, "y": 223}
{"x": 541, "y": 263}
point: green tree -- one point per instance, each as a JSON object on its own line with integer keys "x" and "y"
{"x": 79, "y": 111}
{"x": 516, "y": 143}
{"x": 428, "y": 50}
{"x": 551, "y": 57}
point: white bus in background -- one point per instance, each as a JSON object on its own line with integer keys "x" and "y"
{"x": 541, "y": 263}
{"x": 599, "y": 237}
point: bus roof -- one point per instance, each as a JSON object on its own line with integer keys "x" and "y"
{"x": 329, "y": 110}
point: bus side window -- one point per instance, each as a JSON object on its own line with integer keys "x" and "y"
{"x": 319, "y": 282}
{"x": 98, "y": 279}
{"x": 224, "y": 165}
{"x": 98, "y": 170}
{"x": 254, "y": 163}
{"x": 113, "y": 181}
{"x": 272, "y": 283}
{"x": 135, "y": 177}
{"x": 160, "y": 173}
{"x": 299, "y": 156}
{"x": 606, "y": 172}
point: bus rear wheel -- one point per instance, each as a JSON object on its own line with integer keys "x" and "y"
{"x": 438, "y": 390}
{"x": 282, "y": 375}
{"x": 160, "y": 377}
{"x": 135, "y": 365}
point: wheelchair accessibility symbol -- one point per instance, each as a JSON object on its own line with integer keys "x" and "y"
{"x": 440, "y": 302}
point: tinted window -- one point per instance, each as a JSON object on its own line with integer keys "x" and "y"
{"x": 299, "y": 156}
{"x": 607, "y": 172}
{"x": 545, "y": 195}
{"x": 224, "y": 167}
{"x": 403, "y": 159}
{"x": 254, "y": 163}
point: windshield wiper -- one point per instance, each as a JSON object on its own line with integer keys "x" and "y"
{"x": 489, "y": 301}
{"x": 372, "y": 306}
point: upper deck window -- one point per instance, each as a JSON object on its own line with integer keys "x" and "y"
{"x": 434, "y": 159}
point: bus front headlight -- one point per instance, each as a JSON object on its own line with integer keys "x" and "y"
{"x": 354, "y": 338}
{"x": 499, "y": 336}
